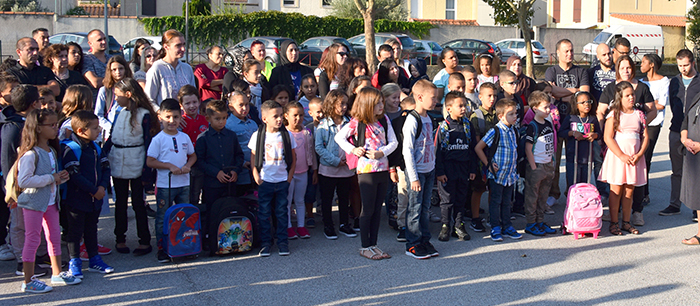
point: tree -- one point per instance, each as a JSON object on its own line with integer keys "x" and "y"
{"x": 197, "y": 8}
{"x": 694, "y": 24}
{"x": 369, "y": 10}
{"x": 348, "y": 9}
{"x": 516, "y": 12}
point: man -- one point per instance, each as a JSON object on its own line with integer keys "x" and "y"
{"x": 41, "y": 35}
{"x": 397, "y": 49}
{"x": 385, "y": 52}
{"x": 95, "y": 63}
{"x": 682, "y": 91}
{"x": 27, "y": 71}
{"x": 622, "y": 47}
{"x": 602, "y": 74}
{"x": 566, "y": 79}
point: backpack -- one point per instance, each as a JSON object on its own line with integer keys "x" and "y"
{"x": 260, "y": 147}
{"x": 12, "y": 191}
{"x": 584, "y": 210}
{"x": 182, "y": 231}
{"x": 482, "y": 122}
{"x": 232, "y": 226}
{"x": 78, "y": 151}
{"x": 396, "y": 158}
{"x": 359, "y": 141}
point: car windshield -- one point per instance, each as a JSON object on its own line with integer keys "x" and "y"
{"x": 602, "y": 38}
{"x": 406, "y": 41}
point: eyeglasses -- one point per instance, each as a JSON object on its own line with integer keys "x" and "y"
{"x": 150, "y": 55}
{"x": 585, "y": 102}
{"x": 175, "y": 145}
{"x": 343, "y": 53}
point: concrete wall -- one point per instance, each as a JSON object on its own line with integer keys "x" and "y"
{"x": 579, "y": 37}
{"x": 16, "y": 26}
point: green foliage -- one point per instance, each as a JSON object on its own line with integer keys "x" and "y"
{"x": 348, "y": 9}
{"x": 197, "y": 8}
{"x": 504, "y": 14}
{"x": 693, "y": 29}
{"x": 76, "y": 11}
{"x": 21, "y": 6}
{"x": 226, "y": 29}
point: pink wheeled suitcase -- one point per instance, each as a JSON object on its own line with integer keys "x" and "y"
{"x": 584, "y": 210}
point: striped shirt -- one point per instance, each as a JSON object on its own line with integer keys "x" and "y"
{"x": 506, "y": 156}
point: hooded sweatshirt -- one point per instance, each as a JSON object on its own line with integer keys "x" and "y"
{"x": 288, "y": 73}
{"x": 422, "y": 68}
{"x": 11, "y": 125}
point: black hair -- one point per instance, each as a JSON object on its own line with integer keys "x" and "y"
{"x": 23, "y": 96}
{"x": 170, "y": 105}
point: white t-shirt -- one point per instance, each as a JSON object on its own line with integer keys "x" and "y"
{"x": 172, "y": 149}
{"x": 274, "y": 169}
{"x": 659, "y": 89}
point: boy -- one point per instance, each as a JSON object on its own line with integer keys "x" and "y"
{"x": 171, "y": 153}
{"x": 455, "y": 162}
{"x": 398, "y": 176}
{"x": 244, "y": 127}
{"x": 539, "y": 149}
{"x": 508, "y": 82}
{"x": 454, "y": 83}
{"x": 47, "y": 99}
{"x": 273, "y": 160}
{"x": 502, "y": 169}
{"x": 219, "y": 156}
{"x": 470, "y": 82}
{"x": 193, "y": 124}
{"x": 89, "y": 170}
{"x": 7, "y": 82}
{"x": 419, "y": 156}
{"x": 311, "y": 195}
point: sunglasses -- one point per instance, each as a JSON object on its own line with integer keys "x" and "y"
{"x": 150, "y": 55}
{"x": 343, "y": 53}
{"x": 585, "y": 102}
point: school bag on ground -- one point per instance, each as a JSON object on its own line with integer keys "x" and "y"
{"x": 232, "y": 225}
{"x": 182, "y": 234}
{"x": 584, "y": 210}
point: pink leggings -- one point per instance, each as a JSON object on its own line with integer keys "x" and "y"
{"x": 33, "y": 221}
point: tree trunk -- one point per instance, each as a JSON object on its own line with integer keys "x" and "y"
{"x": 371, "y": 49}
{"x": 529, "y": 63}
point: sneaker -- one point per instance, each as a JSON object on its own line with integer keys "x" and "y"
{"x": 283, "y": 249}
{"x": 638, "y": 218}
{"x": 291, "y": 233}
{"x": 511, "y": 233}
{"x": 356, "y": 224}
{"x": 418, "y": 252}
{"x": 162, "y": 257}
{"x": 496, "y": 234}
{"x": 548, "y": 210}
{"x": 347, "y": 231}
{"x": 433, "y": 217}
{"x": 534, "y": 229}
{"x": 264, "y": 251}
{"x": 38, "y": 271}
{"x": 401, "y": 236}
{"x": 329, "y": 232}
{"x": 476, "y": 225}
{"x": 97, "y": 265}
{"x": 551, "y": 201}
{"x": 36, "y": 286}
{"x": 547, "y": 229}
{"x": 44, "y": 261}
{"x": 84, "y": 254}
{"x": 462, "y": 233}
{"x": 444, "y": 233}
{"x": 303, "y": 233}
{"x": 669, "y": 211}
{"x": 64, "y": 278}
{"x": 75, "y": 267}
{"x": 310, "y": 223}
{"x": 430, "y": 249}
{"x": 103, "y": 250}
{"x": 6, "y": 252}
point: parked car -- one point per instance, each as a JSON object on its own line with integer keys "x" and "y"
{"x": 272, "y": 48}
{"x": 81, "y": 39}
{"x": 468, "y": 48}
{"x": 407, "y": 44}
{"x": 517, "y": 46}
{"x": 129, "y": 46}
{"x": 428, "y": 50}
{"x": 310, "y": 50}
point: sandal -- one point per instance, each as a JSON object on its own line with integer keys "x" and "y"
{"x": 369, "y": 253}
{"x": 380, "y": 252}
{"x": 626, "y": 226}
{"x": 615, "y": 229}
{"x": 689, "y": 241}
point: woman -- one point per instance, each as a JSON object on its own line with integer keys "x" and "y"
{"x": 658, "y": 85}
{"x": 525, "y": 85}
{"x": 690, "y": 138}
{"x": 239, "y": 55}
{"x": 167, "y": 74}
{"x": 352, "y": 68}
{"x": 56, "y": 58}
{"x": 289, "y": 72}
{"x": 75, "y": 57}
{"x": 330, "y": 68}
{"x": 210, "y": 75}
{"x": 139, "y": 46}
{"x": 257, "y": 48}
{"x": 449, "y": 63}
{"x": 150, "y": 55}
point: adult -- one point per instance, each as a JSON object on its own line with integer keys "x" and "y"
{"x": 385, "y": 52}
{"x": 621, "y": 48}
{"x": 352, "y": 68}
{"x": 682, "y": 91}
{"x": 139, "y": 46}
{"x": 239, "y": 55}
{"x": 690, "y": 138}
{"x": 56, "y": 59}
{"x": 449, "y": 63}
{"x": 167, "y": 74}
{"x": 27, "y": 71}
{"x": 95, "y": 62}
{"x": 566, "y": 79}
{"x": 289, "y": 72}
{"x": 525, "y": 85}
{"x": 41, "y": 35}
{"x": 75, "y": 57}
{"x": 259, "y": 51}
{"x": 106, "y": 106}
{"x": 397, "y": 48}
{"x": 330, "y": 68}
{"x": 150, "y": 56}
{"x": 210, "y": 75}
{"x": 389, "y": 72}
{"x": 603, "y": 73}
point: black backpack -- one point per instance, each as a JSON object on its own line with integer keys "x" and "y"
{"x": 260, "y": 147}
{"x": 396, "y": 157}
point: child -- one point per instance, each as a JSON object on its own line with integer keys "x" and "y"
{"x": 392, "y": 99}
{"x": 89, "y": 171}
{"x": 470, "y": 83}
{"x": 372, "y": 164}
{"x": 502, "y": 168}
{"x": 47, "y": 99}
{"x": 507, "y": 82}
{"x": 274, "y": 162}
{"x": 7, "y": 82}
{"x": 456, "y": 83}
{"x": 583, "y": 127}
{"x": 77, "y": 97}
{"x": 486, "y": 70}
{"x": 624, "y": 165}
{"x": 419, "y": 155}
{"x": 316, "y": 113}
{"x": 455, "y": 165}
{"x": 193, "y": 124}
{"x": 418, "y": 69}
{"x": 539, "y": 150}
{"x": 38, "y": 175}
{"x": 132, "y": 131}
{"x": 244, "y": 127}
{"x": 244, "y": 87}
{"x": 105, "y": 106}
{"x": 555, "y": 117}
{"x": 171, "y": 152}
{"x": 252, "y": 76}
{"x": 282, "y": 95}
{"x": 306, "y": 160}
{"x": 333, "y": 173}
{"x": 398, "y": 176}
{"x": 355, "y": 85}
{"x": 309, "y": 87}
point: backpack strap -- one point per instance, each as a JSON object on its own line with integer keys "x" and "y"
{"x": 260, "y": 147}
{"x": 482, "y": 122}
{"x": 359, "y": 138}
{"x": 287, "y": 145}
{"x": 419, "y": 123}
{"x": 493, "y": 148}
{"x": 75, "y": 147}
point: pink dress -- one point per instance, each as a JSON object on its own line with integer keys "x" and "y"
{"x": 628, "y": 138}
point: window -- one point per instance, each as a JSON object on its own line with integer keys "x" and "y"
{"x": 326, "y": 3}
{"x": 450, "y": 9}
{"x": 289, "y": 2}
{"x": 556, "y": 11}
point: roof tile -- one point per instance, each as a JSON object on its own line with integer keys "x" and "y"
{"x": 661, "y": 20}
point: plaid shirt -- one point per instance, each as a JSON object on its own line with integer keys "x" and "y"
{"x": 506, "y": 156}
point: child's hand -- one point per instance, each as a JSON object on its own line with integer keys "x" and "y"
{"x": 174, "y": 169}
{"x": 314, "y": 178}
{"x": 472, "y": 176}
{"x": 258, "y": 180}
{"x": 222, "y": 177}
{"x": 100, "y": 194}
{"x": 290, "y": 177}
{"x": 638, "y": 157}
{"x": 415, "y": 186}
{"x": 442, "y": 179}
{"x": 494, "y": 166}
{"x": 12, "y": 204}
{"x": 533, "y": 166}
{"x": 359, "y": 151}
{"x": 185, "y": 169}
{"x": 592, "y": 136}
{"x": 233, "y": 177}
{"x": 374, "y": 154}
{"x": 247, "y": 165}
{"x": 625, "y": 159}
{"x": 578, "y": 136}
{"x": 394, "y": 177}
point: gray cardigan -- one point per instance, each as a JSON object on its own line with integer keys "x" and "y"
{"x": 37, "y": 198}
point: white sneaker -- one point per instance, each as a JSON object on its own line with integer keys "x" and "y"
{"x": 6, "y": 252}
{"x": 638, "y": 218}
{"x": 551, "y": 201}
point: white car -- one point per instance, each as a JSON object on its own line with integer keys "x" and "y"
{"x": 129, "y": 46}
{"x": 517, "y": 46}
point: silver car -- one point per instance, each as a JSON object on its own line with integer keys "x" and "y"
{"x": 517, "y": 46}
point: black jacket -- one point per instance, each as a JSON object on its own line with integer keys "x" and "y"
{"x": 86, "y": 175}
{"x": 680, "y": 99}
{"x": 11, "y": 125}
{"x": 455, "y": 148}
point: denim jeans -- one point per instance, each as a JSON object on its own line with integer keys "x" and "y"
{"x": 177, "y": 195}
{"x": 417, "y": 221}
{"x": 273, "y": 194}
{"x": 499, "y": 204}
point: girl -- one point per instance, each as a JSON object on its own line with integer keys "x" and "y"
{"x": 252, "y": 76}
{"x": 389, "y": 72}
{"x": 166, "y": 76}
{"x": 486, "y": 69}
{"x": 330, "y": 68}
{"x": 210, "y": 74}
{"x": 352, "y": 68}
{"x": 308, "y": 92}
{"x": 78, "y": 97}
{"x": 75, "y": 57}
{"x": 306, "y": 159}
{"x": 132, "y": 132}
{"x": 392, "y": 99}
{"x": 135, "y": 62}
{"x": 372, "y": 165}
{"x": 449, "y": 63}
{"x": 149, "y": 57}
{"x": 333, "y": 173}
{"x": 282, "y": 95}
{"x": 418, "y": 70}
{"x": 624, "y": 165}
{"x": 105, "y": 107}
{"x": 38, "y": 175}
{"x": 580, "y": 126}
{"x": 289, "y": 71}
{"x": 355, "y": 86}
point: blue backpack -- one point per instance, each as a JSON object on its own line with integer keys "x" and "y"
{"x": 182, "y": 231}
{"x": 78, "y": 151}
